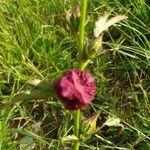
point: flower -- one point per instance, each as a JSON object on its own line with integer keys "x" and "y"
{"x": 75, "y": 89}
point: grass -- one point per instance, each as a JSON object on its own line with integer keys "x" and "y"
{"x": 33, "y": 45}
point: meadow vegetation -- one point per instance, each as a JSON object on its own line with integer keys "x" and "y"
{"x": 35, "y": 44}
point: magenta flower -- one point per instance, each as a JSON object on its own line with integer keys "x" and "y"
{"x": 76, "y": 89}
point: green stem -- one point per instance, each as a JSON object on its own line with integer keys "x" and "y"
{"x": 76, "y": 128}
{"x": 76, "y": 121}
{"x": 82, "y": 28}
{"x": 81, "y": 67}
{"x": 84, "y": 64}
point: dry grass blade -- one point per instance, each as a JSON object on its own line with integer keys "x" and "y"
{"x": 115, "y": 19}
{"x": 102, "y": 24}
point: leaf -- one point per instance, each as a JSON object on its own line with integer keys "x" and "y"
{"x": 115, "y": 20}
{"x": 42, "y": 89}
{"x": 27, "y": 143}
{"x": 90, "y": 124}
{"x": 40, "y": 84}
{"x": 97, "y": 44}
{"x": 75, "y": 13}
{"x": 34, "y": 82}
{"x": 62, "y": 22}
{"x": 69, "y": 138}
{"x": 112, "y": 122}
{"x": 102, "y": 24}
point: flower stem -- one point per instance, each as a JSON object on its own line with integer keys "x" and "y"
{"x": 81, "y": 67}
{"x": 76, "y": 128}
{"x": 82, "y": 29}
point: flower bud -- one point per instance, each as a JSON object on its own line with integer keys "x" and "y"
{"x": 75, "y": 89}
